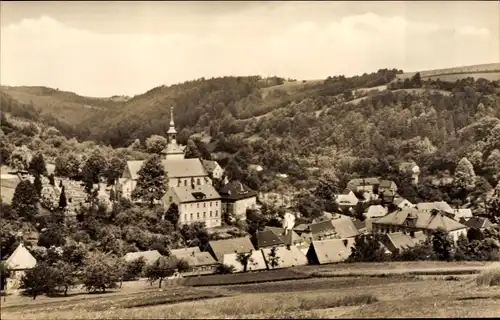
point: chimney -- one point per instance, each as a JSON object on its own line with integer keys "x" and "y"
{"x": 241, "y": 187}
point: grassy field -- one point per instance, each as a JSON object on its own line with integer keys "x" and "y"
{"x": 361, "y": 297}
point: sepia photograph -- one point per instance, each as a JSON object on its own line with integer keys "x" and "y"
{"x": 249, "y": 159}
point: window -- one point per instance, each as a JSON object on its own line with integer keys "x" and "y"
{"x": 179, "y": 182}
{"x": 170, "y": 199}
{"x": 198, "y": 181}
{"x": 185, "y": 217}
{"x": 210, "y": 214}
{"x": 191, "y": 216}
{"x": 216, "y": 213}
{"x": 216, "y": 203}
{"x": 204, "y": 215}
{"x": 197, "y": 215}
{"x": 210, "y": 203}
{"x": 185, "y": 183}
{"x": 204, "y": 204}
{"x": 197, "y": 205}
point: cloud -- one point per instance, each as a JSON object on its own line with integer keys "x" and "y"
{"x": 262, "y": 41}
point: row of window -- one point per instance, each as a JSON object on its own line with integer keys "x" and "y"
{"x": 191, "y": 215}
{"x": 198, "y": 182}
{"x": 190, "y": 205}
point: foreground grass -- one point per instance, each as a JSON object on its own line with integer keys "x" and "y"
{"x": 489, "y": 277}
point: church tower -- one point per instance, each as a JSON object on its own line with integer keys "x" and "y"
{"x": 172, "y": 151}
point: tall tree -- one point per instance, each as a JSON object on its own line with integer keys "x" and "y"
{"x": 114, "y": 169}
{"x": 442, "y": 245}
{"x": 155, "y": 144}
{"x": 25, "y": 200}
{"x": 192, "y": 150}
{"x": 37, "y": 165}
{"x": 95, "y": 166}
{"x": 465, "y": 177}
{"x": 172, "y": 214}
{"x": 62, "y": 199}
{"x": 151, "y": 183}
{"x": 162, "y": 268}
{"x": 37, "y": 184}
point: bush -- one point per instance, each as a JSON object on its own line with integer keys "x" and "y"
{"x": 134, "y": 269}
{"x": 490, "y": 277}
{"x": 224, "y": 269}
{"x": 39, "y": 280}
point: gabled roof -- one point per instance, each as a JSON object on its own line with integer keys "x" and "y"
{"x": 175, "y": 168}
{"x": 256, "y": 261}
{"x": 419, "y": 237}
{"x": 209, "y": 165}
{"x": 235, "y": 190}
{"x": 462, "y": 213}
{"x": 287, "y": 257}
{"x": 184, "y": 251}
{"x": 436, "y": 205}
{"x": 363, "y": 182}
{"x": 301, "y": 227}
{"x": 202, "y": 192}
{"x": 375, "y": 211}
{"x": 289, "y": 237}
{"x": 478, "y": 223}
{"x": 422, "y": 220}
{"x": 172, "y": 148}
{"x": 398, "y": 241}
{"x": 398, "y": 200}
{"x": 388, "y": 184}
{"x": 199, "y": 259}
{"x": 330, "y": 251}
{"x": 347, "y": 199}
{"x": 149, "y": 256}
{"x": 342, "y": 227}
{"x": 21, "y": 259}
{"x": 268, "y": 238}
{"x": 227, "y": 246}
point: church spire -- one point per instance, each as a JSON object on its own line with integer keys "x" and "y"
{"x": 172, "y": 150}
{"x": 172, "y": 125}
{"x": 171, "y": 130}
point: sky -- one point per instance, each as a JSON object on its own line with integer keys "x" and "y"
{"x": 107, "y": 48}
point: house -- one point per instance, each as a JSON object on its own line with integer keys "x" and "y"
{"x": 288, "y": 236}
{"x": 286, "y": 257}
{"x": 213, "y": 169}
{"x": 375, "y": 211}
{"x": 478, "y": 223}
{"x": 389, "y": 186}
{"x": 402, "y": 203}
{"x": 397, "y": 241}
{"x": 411, "y": 220}
{"x": 346, "y": 199}
{"x": 465, "y": 214}
{"x": 255, "y": 167}
{"x": 149, "y": 256}
{"x": 419, "y": 237}
{"x": 179, "y": 253}
{"x": 18, "y": 262}
{"x": 219, "y": 248}
{"x": 436, "y": 205}
{"x": 200, "y": 263}
{"x": 236, "y": 198}
{"x": 370, "y": 185}
{"x": 255, "y": 263}
{"x": 267, "y": 238}
{"x": 339, "y": 228}
{"x": 196, "y": 203}
{"x": 180, "y": 171}
{"x": 328, "y": 251}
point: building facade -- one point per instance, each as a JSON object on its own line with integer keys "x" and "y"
{"x": 237, "y": 198}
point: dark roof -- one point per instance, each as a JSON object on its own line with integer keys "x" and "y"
{"x": 342, "y": 227}
{"x": 238, "y": 245}
{"x": 478, "y": 223}
{"x": 235, "y": 190}
{"x": 420, "y": 220}
{"x": 359, "y": 224}
{"x": 289, "y": 238}
{"x": 387, "y": 184}
{"x": 363, "y": 182}
{"x": 267, "y": 238}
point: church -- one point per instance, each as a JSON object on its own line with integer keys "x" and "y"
{"x": 189, "y": 185}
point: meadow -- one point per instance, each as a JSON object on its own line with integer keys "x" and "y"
{"x": 361, "y": 296}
